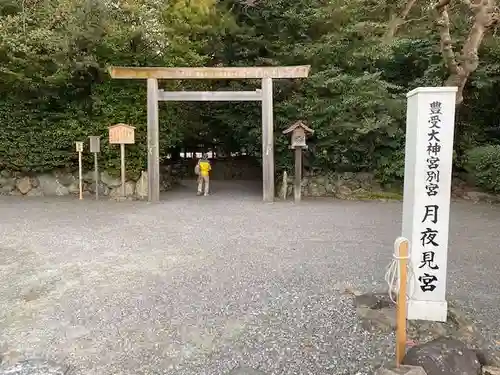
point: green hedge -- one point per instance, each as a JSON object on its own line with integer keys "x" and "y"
{"x": 483, "y": 166}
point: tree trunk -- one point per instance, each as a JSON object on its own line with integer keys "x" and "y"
{"x": 397, "y": 20}
{"x": 459, "y": 70}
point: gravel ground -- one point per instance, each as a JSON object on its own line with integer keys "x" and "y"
{"x": 215, "y": 285}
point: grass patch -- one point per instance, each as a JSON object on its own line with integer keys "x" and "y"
{"x": 379, "y": 195}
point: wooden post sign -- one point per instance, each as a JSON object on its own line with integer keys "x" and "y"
{"x": 299, "y": 132}
{"x": 95, "y": 147}
{"x": 79, "y": 149}
{"x": 122, "y": 134}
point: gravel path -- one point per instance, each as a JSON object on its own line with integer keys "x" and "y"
{"x": 216, "y": 285}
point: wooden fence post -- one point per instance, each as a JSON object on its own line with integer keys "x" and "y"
{"x": 401, "y": 303}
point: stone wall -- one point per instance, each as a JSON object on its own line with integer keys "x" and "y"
{"x": 338, "y": 185}
{"x": 350, "y": 185}
{"x": 60, "y": 183}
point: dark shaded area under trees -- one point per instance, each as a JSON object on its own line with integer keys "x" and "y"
{"x": 365, "y": 56}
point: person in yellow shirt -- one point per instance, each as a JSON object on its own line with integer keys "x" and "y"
{"x": 204, "y": 168}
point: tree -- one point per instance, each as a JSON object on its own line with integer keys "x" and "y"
{"x": 474, "y": 18}
{"x": 397, "y": 19}
{"x": 484, "y": 15}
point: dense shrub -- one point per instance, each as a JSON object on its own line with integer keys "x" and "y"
{"x": 55, "y": 88}
{"x": 483, "y": 165}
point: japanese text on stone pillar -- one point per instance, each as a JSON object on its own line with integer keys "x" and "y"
{"x": 429, "y": 241}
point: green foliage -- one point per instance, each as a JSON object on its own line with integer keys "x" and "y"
{"x": 56, "y": 90}
{"x": 53, "y": 60}
{"x": 483, "y": 165}
{"x": 391, "y": 165}
{"x": 354, "y": 118}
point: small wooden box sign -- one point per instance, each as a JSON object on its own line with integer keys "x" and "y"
{"x": 121, "y": 134}
{"x": 79, "y": 146}
{"x": 299, "y": 138}
{"x": 299, "y": 132}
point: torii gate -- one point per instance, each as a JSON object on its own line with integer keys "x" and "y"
{"x": 265, "y": 95}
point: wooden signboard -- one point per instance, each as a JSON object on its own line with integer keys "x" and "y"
{"x": 95, "y": 144}
{"x": 121, "y": 134}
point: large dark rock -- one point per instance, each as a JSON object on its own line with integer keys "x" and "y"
{"x": 103, "y": 189}
{"x": 444, "y": 356}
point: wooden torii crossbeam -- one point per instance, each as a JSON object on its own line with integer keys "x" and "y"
{"x": 264, "y": 95}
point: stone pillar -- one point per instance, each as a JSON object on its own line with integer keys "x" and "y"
{"x": 430, "y": 123}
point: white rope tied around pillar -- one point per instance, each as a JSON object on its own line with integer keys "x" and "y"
{"x": 393, "y": 271}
